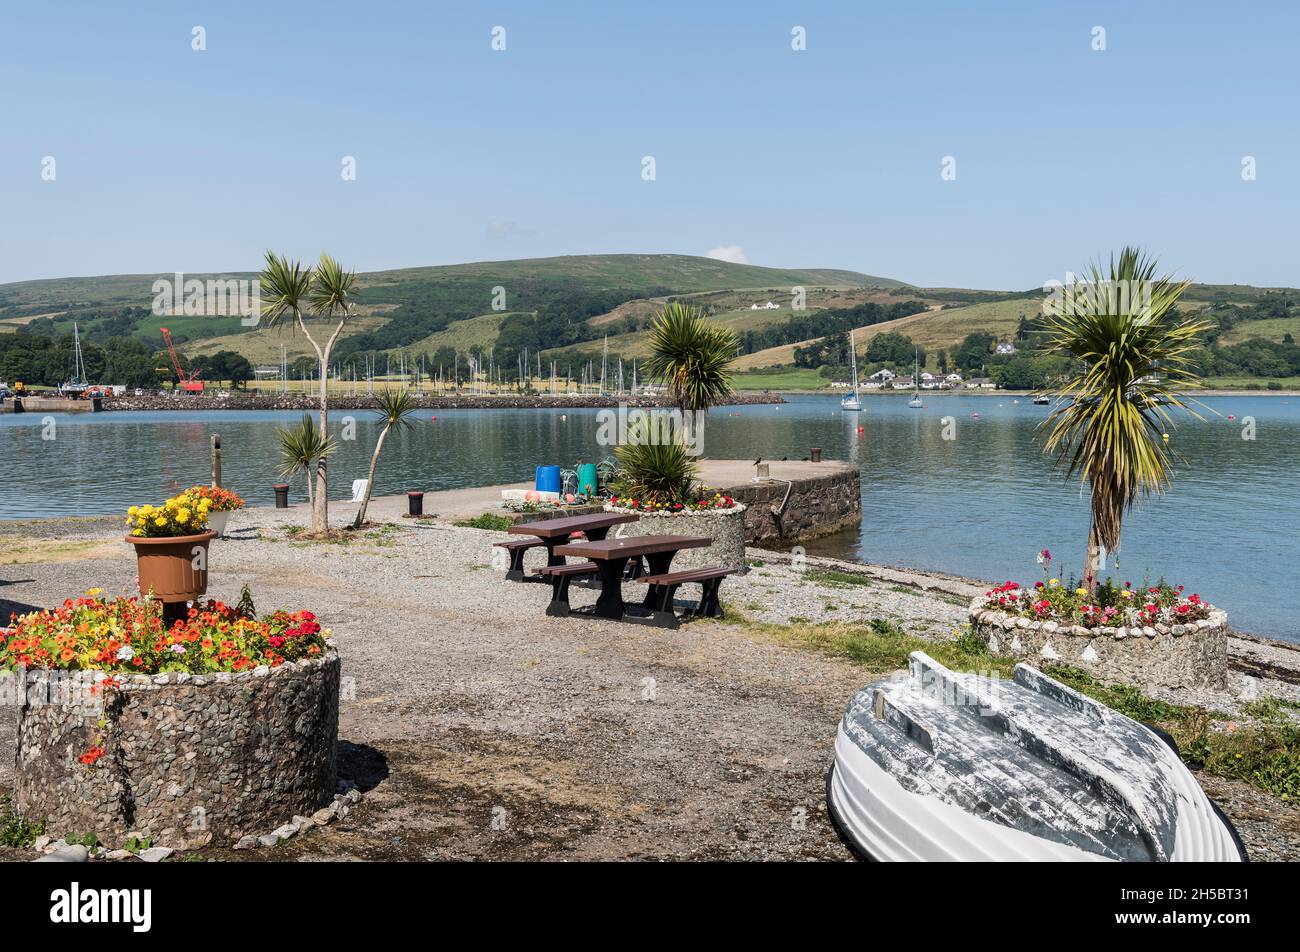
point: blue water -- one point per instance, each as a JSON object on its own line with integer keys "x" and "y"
{"x": 979, "y": 505}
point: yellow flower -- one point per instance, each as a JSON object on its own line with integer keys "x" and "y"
{"x": 1081, "y": 591}
{"x": 138, "y": 532}
{"x": 133, "y": 510}
{"x": 183, "y": 515}
{"x": 160, "y": 522}
{"x": 1054, "y": 582}
{"x": 92, "y": 592}
{"x": 1127, "y": 593}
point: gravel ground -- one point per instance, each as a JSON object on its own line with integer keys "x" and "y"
{"x": 479, "y": 728}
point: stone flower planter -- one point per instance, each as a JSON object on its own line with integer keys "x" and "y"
{"x": 1194, "y": 655}
{"x": 725, "y": 526}
{"x": 171, "y": 567}
{"x": 188, "y": 759}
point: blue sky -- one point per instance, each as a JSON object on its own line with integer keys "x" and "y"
{"x": 171, "y": 159}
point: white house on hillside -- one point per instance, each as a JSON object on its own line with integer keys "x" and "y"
{"x": 1005, "y": 347}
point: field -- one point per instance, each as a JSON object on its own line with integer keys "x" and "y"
{"x": 795, "y": 378}
{"x": 1271, "y": 329}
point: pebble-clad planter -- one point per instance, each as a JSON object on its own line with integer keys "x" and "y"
{"x": 725, "y": 526}
{"x": 1194, "y": 655}
{"x": 188, "y": 759}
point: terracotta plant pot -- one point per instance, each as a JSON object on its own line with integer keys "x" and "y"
{"x": 170, "y": 566}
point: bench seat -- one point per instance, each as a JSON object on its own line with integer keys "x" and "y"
{"x": 561, "y": 576}
{"x": 662, "y": 587}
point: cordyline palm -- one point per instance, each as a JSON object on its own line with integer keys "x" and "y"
{"x": 654, "y": 465}
{"x": 1110, "y": 426}
{"x": 288, "y": 290}
{"x": 300, "y": 448}
{"x": 692, "y": 356}
{"x": 395, "y": 408}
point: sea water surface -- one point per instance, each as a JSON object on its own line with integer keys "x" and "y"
{"x": 981, "y": 504}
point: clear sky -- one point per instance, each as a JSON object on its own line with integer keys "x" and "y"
{"x": 167, "y": 158}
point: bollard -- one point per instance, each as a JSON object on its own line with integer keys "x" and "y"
{"x": 816, "y": 454}
{"x": 415, "y": 504}
{"x": 216, "y": 460}
{"x": 281, "y": 495}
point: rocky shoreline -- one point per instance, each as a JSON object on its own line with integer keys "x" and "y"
{"x": 298, "y": 401}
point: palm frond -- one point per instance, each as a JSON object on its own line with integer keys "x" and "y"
{"x": 302, "y": 445}
{"x": 395, "y": 408}
{"x": 1120, "y": 327}
{"x": 284, "y": 288}
{"x": 334, "y": 289}
{"x": 692, "y": 356}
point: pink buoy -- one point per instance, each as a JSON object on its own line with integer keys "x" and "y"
{"x": 434, "y": 419}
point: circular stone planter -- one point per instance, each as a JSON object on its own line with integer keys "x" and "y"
{"x": 1194, "y": 655}
{"x": 725, "y": 526}
{"x": 188, "y": 759}
{"x": 174, "y": 568}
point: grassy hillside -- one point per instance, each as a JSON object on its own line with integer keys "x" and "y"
{"x": 414, "y": 308}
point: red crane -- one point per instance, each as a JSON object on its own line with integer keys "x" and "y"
{"x": 190, "y": 381}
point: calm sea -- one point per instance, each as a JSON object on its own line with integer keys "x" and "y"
{"x": 980, "y": 504}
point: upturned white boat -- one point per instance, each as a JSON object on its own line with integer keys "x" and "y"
{"x": 934, "y": 765}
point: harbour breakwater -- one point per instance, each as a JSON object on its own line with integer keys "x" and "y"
{"x": 427, "y": 401}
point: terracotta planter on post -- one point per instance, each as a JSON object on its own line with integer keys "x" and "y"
{"x": 175, "y": 568}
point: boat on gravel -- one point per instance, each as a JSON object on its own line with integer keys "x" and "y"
{"x": 935, "y": 765}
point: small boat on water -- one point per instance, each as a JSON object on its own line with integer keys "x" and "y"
{"x": 934, "y": 765}
{"x": 854, "y": 400}
{"x": 916, "y": 403}
{"x": 1042, "y": 399}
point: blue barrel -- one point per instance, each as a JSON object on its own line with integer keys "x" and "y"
{"x": 548, "y": 479}
{"x": 587, "y": 479}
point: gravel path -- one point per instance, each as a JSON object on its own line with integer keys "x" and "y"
{"x": 479, "y": 728}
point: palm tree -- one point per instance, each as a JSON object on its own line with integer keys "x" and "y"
{"x": 692, "y": 356}
{"x": 1135, "y": 356}
{"x": 288, "y": 289}
{"x": 395, "y": 407}
{"x": 300, "y": 448}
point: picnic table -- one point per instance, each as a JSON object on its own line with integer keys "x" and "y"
{"x": 610, "y": 556}
{"x": 555, "y": 532}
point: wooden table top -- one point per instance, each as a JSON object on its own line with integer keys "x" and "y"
{"x": 633, "y": 546}
{"x": 549, "y": 528}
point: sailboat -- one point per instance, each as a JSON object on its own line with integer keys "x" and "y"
{"x": 854, "y": 401}
{"x": 916, "y": 403}
{"x": 77, "y": 385}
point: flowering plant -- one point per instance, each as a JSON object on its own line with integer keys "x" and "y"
{"x": 219, "y": 500}
{"x": 128, "y": 635}
{"x": 1110, "y": 604}
{"x": 179, "y": 516}
{"x": 703, "y": 503}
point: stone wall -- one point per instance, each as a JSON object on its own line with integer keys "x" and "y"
{"x": 816, "y": 506}
{"x": 188, "y": 759}
{"x": 727, "y": 529}
{"x": 1194, "y": 655}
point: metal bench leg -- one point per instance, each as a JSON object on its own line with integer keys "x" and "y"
{"x": 516, "y": 571}
{"x": 559, "y": 607}
{"x": 709, "y": 603}
{"x": 664, "y": 616}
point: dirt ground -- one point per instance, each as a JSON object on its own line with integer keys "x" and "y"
{"x": 478, "y": 728}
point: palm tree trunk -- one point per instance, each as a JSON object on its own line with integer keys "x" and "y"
{"x": 320, "y": 512}
{"x": 1092, "y": 563}
{"x": 370, "y": 480}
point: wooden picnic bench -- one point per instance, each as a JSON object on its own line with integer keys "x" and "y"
{"x": 663, "y": 587}
{"x": 553, "y": 532}
{"x": 611, "y": 557}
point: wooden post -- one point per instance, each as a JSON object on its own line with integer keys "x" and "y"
{"x": 216, "y": 459}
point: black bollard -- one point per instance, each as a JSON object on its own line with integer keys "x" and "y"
{"x": 816, "y": 454}
{"x": 281, "y": 495}
{"x": 415, "y": 504}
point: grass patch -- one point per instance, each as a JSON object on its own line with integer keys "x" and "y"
{"x": 488, "y": 520}
{"x": 881, "y": 645}
{"x": 14, "y": 830}
{"x": 832, "y": 579}
{"x": 1264, "y": 753}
